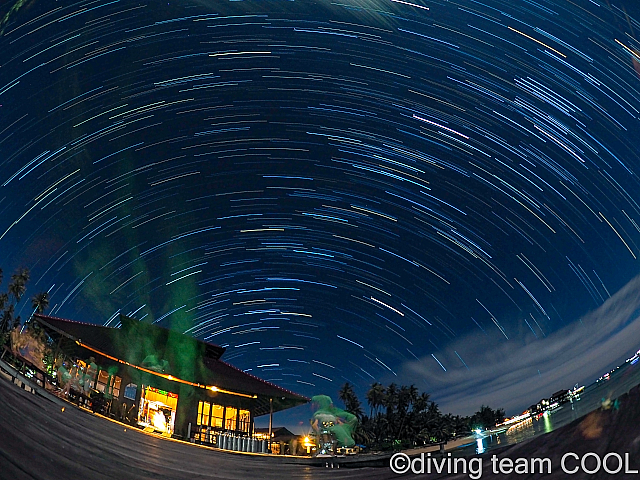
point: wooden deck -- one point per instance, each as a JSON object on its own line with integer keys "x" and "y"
{"x": 41, "y": 439}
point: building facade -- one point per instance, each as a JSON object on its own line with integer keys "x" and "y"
{"x": 165, "y": 381}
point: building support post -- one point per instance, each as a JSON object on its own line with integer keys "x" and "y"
{"x": 270, "y": 421}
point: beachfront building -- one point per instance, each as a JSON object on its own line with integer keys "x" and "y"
{"x": 165, "y": 381}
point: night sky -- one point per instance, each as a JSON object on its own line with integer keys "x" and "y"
{"x": 443, "y": 193}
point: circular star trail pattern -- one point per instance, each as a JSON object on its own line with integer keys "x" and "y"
{"x": 328, "y": 189}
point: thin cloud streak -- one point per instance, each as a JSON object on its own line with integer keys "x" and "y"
{"x": 505, "y": 374}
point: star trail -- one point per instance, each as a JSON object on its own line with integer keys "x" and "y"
{"x": 331, "y": 190}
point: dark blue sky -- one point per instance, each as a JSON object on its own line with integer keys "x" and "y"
{"x": 410, "y": 191}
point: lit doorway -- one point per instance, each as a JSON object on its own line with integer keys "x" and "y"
{"x": 158, "y": 410}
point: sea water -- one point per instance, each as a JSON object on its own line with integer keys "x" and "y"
{"x": 603, "y": 391}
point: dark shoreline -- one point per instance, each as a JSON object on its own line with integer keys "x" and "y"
{"x": 600, "y": 432}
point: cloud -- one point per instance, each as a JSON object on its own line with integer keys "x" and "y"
{"x": 505, "y": 374}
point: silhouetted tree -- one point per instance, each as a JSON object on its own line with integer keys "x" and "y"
{"x": 350, "y": 400}
{"x": 18, "y": 284}
{"x": 6, "y": 319}
{"x": 4, "y": 299}
{"x": 403, "y": 417}
{"x": 40, "y": 302}
{"x": 486, "y": 418}
{"x": 8, "y": 301}
{"x": 376, "y": 397}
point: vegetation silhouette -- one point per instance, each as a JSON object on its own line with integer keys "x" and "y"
{"x": 401, "y": 417}
{"x": 10, "y": 324}
{"x": 9, "y": 299}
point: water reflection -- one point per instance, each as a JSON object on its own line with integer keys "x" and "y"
{"x": 515, "y": 434}
{"x": 618, "y": 383}
{"x": 548, "y": 426}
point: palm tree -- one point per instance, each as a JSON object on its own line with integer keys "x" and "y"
{"x": 433, "y": 410}
{"x": 413, "y": 393}
{"x": 350, "y": 400}
{"x": 23, "y": 274}
{"x": 362, "y": 435}
{"x": 407, "y": 397}
{"x": 375, "y": 397}
{"x": 40, "y": 302}
{"x": 346, "y": 393}
{"x": 6, "y": 320}
{"x": 486, "y": 417}
{"x": 391, "y": 399}
{"x": 460, "y": 426}
{"x": 18, "y": 284}
{"x": 4, "y": 299}
{"x": 392, "y": 404}
{"x": 447, "y": 427}
{"x": 421, "y": 403}
{"x": 16, "y": 290}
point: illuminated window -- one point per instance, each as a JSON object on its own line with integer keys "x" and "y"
{"x": 108, "y": 385}
{"x": 217, "y": 413}
{"x": 244, "y": 421}
{"x": 103, "y": 376}
{"x": 205, "y": 413}
{"x": 230, "y": 421}
{"x": 208, "y": 412}
{"x": 115, "y": 386}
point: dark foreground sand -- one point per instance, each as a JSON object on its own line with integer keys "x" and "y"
{"x": 40, "y": 441}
